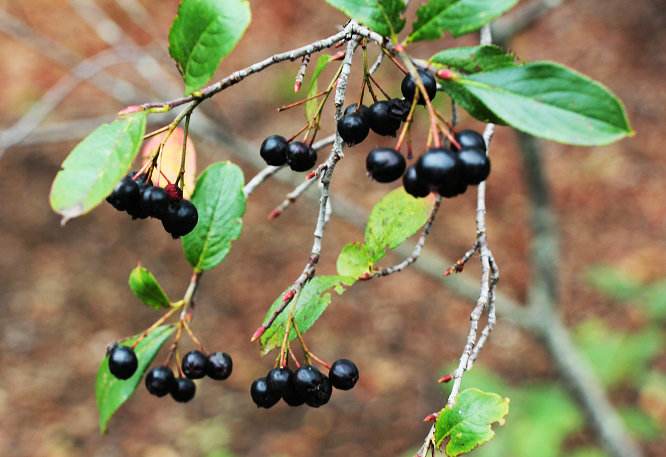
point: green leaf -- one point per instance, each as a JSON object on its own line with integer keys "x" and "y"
{"x": 146, "y": 288}
{"x": 382, "y": 16}
{"x": 457, "y": 17}
{"x": 220, "y": 201}
{"x": 204, "y": 33}
{"x": 111, "y": 392}
{"x": 469, "y": 102}
{"x": 354, "y": 260}
{"x": 551, "y": 101}
{"x": 395, "y": 218}
{"x": 587, "y": 451}
{"x": 95, "y": 165}
{"x": 654, "y": 296}
{"x": 311, "y": 105}
{"x": 308, "y": 306}
{"x": 473, "y": 59}
{"x": 640, "y": 424}
{"x": 613, "y": 283}
{"x": 468, "y": 424}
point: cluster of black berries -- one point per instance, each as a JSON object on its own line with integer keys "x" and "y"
{"x": 305, "y": 385}
{"x": 140, "y": 199}
{"x": 277, "y": 151}
{"x": 161, "y": 380}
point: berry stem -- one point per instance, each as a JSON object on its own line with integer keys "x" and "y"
{"x": 394, "y": 60}
{"x": 300, "y": 102}
{"x": 406, "y": 127}
{"x": 183, "y": 154}
{"x": 374, "y": 81}
{"x": 156, "y": 132}
{"x": 157, "y": 323}
{"x": 194, "y": 339}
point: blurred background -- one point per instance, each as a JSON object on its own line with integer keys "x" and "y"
{"x": 69, "y": 65}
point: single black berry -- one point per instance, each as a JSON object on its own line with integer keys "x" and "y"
{"x": 413, "y": 184}
{"x": 160, "y": 381}
{"x": 300, "y": 156}
{"x": 307, "y": 379}
{"x": 125, "y": 194}
{"x": 452, "y": 188}
{"x": 274, "y": 150}
{"x": 399, "y": 108}
{"x": 219, "y": 366}
{"x": 261, "y": 395}
{"x": 278, "y": 379}
{"x": 180, "y": 218}
{"x": 154, "y": 201}
{"x": 321, "y": 394}
{"x": 291, "y": 396}
{"x": 183, "y": 390}
{"x": 364, "y": 111}
{"x": 135, "y": 208}
{"x": 439, "y": 167}
{"x": 353, "y": 128}
{"x": 409, "y": 87}
{"x": 470, "y": 139}
{"x": 343, "y": 374}
{"x": 122, "y": 362}
{"x": 475, "y": 164}
{"x": 385, "y": 164}
{"x": 194, "y": 364}
{"x": 382, "y": 119}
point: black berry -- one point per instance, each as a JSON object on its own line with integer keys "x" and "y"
{"x": 452, "y": 188}
{"x": 470, "y": 139}
{"x": 364, "y": 111}
{"x": 160, "y": 381}
{"x": 194, "y": 364}
{"x": 135, "y": 208}
{"x": 307, "y": 379}
{"x": 300, "y": 156}
{"x": 154, "y": 201}
{"x": 409, "y": 87}
{"x": 343, "y": 374}
{"x": 385, "y": 164}
{"x": 219, "y": 366}
{"x": 125, "y": 194}
{"x": 274, "y": 150}
{"x": 475, "y": 164}
{"x": 181, "y": 218}
{"x": 439, "y": 167}
{"x": 291, "y": 396}
{"x": 122, "y": 362}
{"x": 382, "y": 118}
{"x": 413, "y": 184}
{"x": 183, "y": 390}
{"x": 261, "y": 395}
{"x": 353, "y": 128}
{"x": 321, "y": 394}
{"x": 278, "y": 379}
{"x": 399, "y": 108}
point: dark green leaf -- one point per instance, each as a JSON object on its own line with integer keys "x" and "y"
{"x": 311, "y": 105}
{"x": 146, "y": 288}
{"x": 551, "y": 101}
{"x": 468, "y": 424}
{"x": 457, "y": 17}
{"x": 395, "y": 218}
{"x": 473, "y": 59}
{"x": 203, "y": 33}
{"x": 354, "y": 260}
{"x": 220, "y": 201}
{"x": 307, "y": 307}
{"x": 382, "y": 16}
{"x": 111, "y": 392}
{"x": 94, "y": 167}
{"x": 470, "y": 103}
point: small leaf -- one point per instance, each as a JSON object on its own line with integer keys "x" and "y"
{"x": 220, "y": 202}
{"x": 204, "y": 33}
{"x": 311, "y": 105}
{"x": 457, "y": 17}
{"x": 354, "y": 261}
{"x": 308, "y": 305}
{"x": 468, "y": 424}
{"x": 395, "y": 218}
{"x": 473, "y": 59}
{"x": 169, "y": 163}
{"x": 146, "y": 288}
{"x": 551, "y": 101}
{"x": 382, "y": 16}
{"x": 111, "y": 392}
{"x": 95, "y": 165}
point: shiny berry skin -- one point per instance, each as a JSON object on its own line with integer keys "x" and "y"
{"x": 385, "y": 164}
{"x": 353, "y": 128}
{"x": 409, "y": 87}
{"x": 470, "y": 139}
{"x": 181, "y": 218}
{"x": 154, "y": 201}
{"x": 343, "y": 374}
{"x": 122, "y": 362}
{"x": 183, "y": 390}
{"x": 382, "y": 120}
{"x": 438, "y": 167}
{"x": 274, "y": 150}
{"x": 307, "y": 379}
{"x": 413, "y": 184}
{"x": 300, "y": 156}
{"x": 321, "y": 394}
{"x": 219, "y": 366}
{"x": 194, "y": 364}
{"x": 261, "y": 395}
{"x": 475, "y": 165}
{"x": 125, "y": 194}
{"x": 135, "y": 209}
{"x": 290, "y": 395}
{"x": 399, "y": 108}
{"x": 159, "y": 381}
{"x": 278, "y": 379}
{"x": 364, "y": 111}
